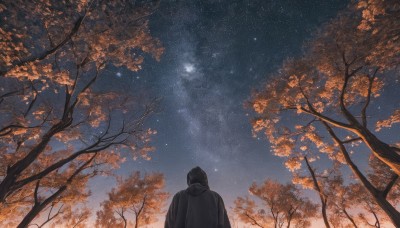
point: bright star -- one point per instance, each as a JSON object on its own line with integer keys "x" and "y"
{"x": 118, "y": 74}
{"x": 189, "y": 67}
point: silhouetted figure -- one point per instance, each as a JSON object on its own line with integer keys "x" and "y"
{"x": 197, "y": 206}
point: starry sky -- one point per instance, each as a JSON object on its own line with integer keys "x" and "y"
{"x": 216, "y": 52}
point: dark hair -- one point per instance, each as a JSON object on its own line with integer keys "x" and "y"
{"x": 197, "y": 175}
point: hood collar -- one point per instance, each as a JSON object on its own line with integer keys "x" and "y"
{"x": 196, "y": 189}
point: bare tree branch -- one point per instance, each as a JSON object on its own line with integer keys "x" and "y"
{"x": 54, "y": 49}
{"x": 364, "y": 109}
{"x": 389, "y": 186}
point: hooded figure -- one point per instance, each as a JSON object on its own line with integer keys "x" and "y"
{"x": 197, "y": 206}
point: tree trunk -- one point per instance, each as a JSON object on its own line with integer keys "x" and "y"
{"x": 320, "y": 193}
{"x": 350, "y": 218}
{"x": 15, "y": 170}
{"x": 393, "y": 214}
{"x": 381, "y": 150}
{"x": 38, "y": 207}
{"x": 377, "y": 224}
{"x": 324, "y": 214}
{"x": 379, "y": 196}
{"x": 389, "y": 156}
{"x": 289, "y": 221}
{"x": 30, "y": 216}
{"x": 124, "y": 221}
{"x": 136, "y": 222}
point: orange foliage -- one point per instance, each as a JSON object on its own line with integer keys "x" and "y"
{"x": 283, "y": 205}
{"x": 59, "y": 128}
{"x": 317, "y": 105}
{"x": 139, "y": 197}
{"x": 381, "y": 19}
{"x": 334, "y": 81}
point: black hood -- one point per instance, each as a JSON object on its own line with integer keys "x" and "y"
{"x": 197, "y": 181}
{"x": 197, "y": 175}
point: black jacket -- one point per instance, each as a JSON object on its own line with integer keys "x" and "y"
{"x": 197, "y": 206}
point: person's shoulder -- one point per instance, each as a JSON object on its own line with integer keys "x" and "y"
{"x": 179, "y": 194}
{"x": 215, "y": 194}
{"x": 218, "y": 197}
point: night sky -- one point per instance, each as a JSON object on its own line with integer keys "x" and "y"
{"x": 216, "y": 52}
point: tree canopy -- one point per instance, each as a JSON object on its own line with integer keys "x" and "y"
{"x": 134, "y": 200}
{"x": 283, "y": 206}
{"x": 59, "y": 126}
{"x": 319, "y": 104}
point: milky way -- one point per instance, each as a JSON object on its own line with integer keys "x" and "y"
{"x": 216, "y": 52}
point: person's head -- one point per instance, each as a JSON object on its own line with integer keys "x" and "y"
{"x": 197, "y": 175}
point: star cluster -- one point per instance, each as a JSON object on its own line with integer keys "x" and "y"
{"x": 215, "y": 53}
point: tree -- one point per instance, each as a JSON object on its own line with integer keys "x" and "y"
{"x": 341, "y": 201}
{"x": 311, "y": 181}
{"x": 59, "y": 126}
{"x": 233, "y": 219}
{"x": 142, "y": 197}
{"x": 385, "y": 180}
{"x": 370, "y": 207}
{"x": 283, "y": 206}
{"x": 247, "y": 212}
{"x": 326, "y": 94}
{"x": 381, "y": 20}
{"x": 51, "y": 196}
{"x": 335, "y": 197}
{"x": 101, "y": 31}
{"x": 67, "y": 215}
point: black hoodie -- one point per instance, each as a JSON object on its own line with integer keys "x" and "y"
{"x": 197, "y": 206}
